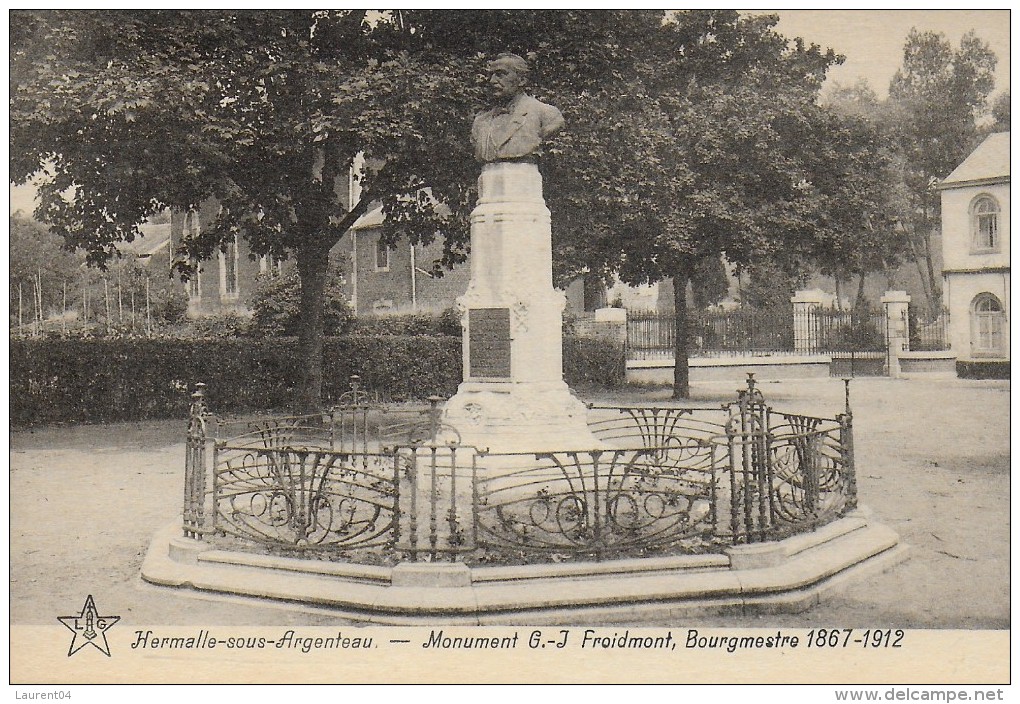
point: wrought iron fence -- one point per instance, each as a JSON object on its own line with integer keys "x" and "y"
{"x": 652, "y": 334}
{"x": 598, "y": 503}
{"x": 775, "y": 473}
{"x": 331, "y": 480}
{"x": 778, "y": 331}
{"x": 836, "y": 330}
{"x": 929, "y": 334}
{"x": 663, "y": 480}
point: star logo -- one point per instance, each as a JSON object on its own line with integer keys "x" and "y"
{"x": 89, "y": 628}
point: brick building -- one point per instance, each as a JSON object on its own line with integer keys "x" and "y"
{"x": 397, "y": 279}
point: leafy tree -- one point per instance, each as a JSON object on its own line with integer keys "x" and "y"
{"x": 696, "y": 152}
{"x": 859, "y": 176}
{"x": 939, "y": 93}
{"x": 709, "y": 282}
{"x": 132, "y": 112}
{"x": 768, "y": 285}
{"x": 37, "y": 255}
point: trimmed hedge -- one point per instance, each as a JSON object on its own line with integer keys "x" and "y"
{"x": 982, "y": 370}
{"x": 79, "y": 381}
{"x": 445, "y": 323}
{"x": 115, "y": 380}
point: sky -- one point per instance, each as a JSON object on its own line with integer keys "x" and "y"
{"x": 871, "y": 40}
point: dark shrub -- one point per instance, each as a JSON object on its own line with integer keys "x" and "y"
{"x": 593, "y": 362}
{"x": 276, "y": 305}
{"x": 76, "y": 381}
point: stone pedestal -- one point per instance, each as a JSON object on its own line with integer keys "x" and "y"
{"x": 513, "y": 397}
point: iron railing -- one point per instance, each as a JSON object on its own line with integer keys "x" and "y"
{"x": 931, "y": 334}
{"x": 780, "y": 331}
{"x": 662, "y": 480}
{"x": 835, "y": 330}
{"x": 652, "y": 334}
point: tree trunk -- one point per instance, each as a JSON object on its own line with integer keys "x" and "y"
{"x": 859, "y": 299}
{"x": 681, "y": 371}
{"x": 312, "y": 263}
{"x": 921, "y": 253}
{"x": 935, "y": 300}
{"x": 594, "y": 292}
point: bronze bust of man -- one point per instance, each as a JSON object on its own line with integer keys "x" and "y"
{"x": 515, "y": 128}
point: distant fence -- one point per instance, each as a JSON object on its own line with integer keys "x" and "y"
{"x": 843, "y": 330}
{"x": 816, "y": 330}
{"x": 652, "y": 334}
{"x": 929, "y": 335}
{"x": 128, "y": 305}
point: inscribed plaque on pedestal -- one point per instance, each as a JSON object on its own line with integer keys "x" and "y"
{"x": 489, "y": 343}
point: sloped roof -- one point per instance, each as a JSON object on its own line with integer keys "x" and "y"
{"x": 989, "y": 161}
{"x": 153, "y": 238}
{"x": 373, "y": 218}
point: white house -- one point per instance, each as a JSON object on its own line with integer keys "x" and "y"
{"x": 975, "y": 248}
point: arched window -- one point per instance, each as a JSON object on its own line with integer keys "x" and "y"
{"x": 987, "y": 323}
{"x": 192, "y": 228}
{"x": 229, "y": 289}
{"x": 382, "y": 256}
{"x": 984, "y": 223}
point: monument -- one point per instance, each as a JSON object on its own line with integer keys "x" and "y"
{"x": 739, "y": 507}
{"x": 513, "y": 397}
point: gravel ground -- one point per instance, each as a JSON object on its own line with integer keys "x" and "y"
{"x": 932, "y": 457}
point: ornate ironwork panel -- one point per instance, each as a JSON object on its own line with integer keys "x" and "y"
{"x": 667, "y": 479}
{"x": 610, "y": 502}
{"x": 812, "y": 480}
{"x": 301, "y": 497}
{"x": 418, "y": 427}
{"x": 645, "y": 426}
{"x": 313, "y": 430}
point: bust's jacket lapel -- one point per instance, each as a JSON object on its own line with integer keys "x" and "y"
{"x": 517, "y": 120}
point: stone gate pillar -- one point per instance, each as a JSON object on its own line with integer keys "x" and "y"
{"x": 897, "y": 328}
{"x": 611, "y": 324}
{"x": 805, "y": 322}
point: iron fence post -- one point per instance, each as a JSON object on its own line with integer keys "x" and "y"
{"x": 194, "y": 466}
{"x": 454, "y": 539}
{"x": 846, "y": 437}
{"x": 215, "y": 483}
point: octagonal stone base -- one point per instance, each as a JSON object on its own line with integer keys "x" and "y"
{"x": 785, "y": 576}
